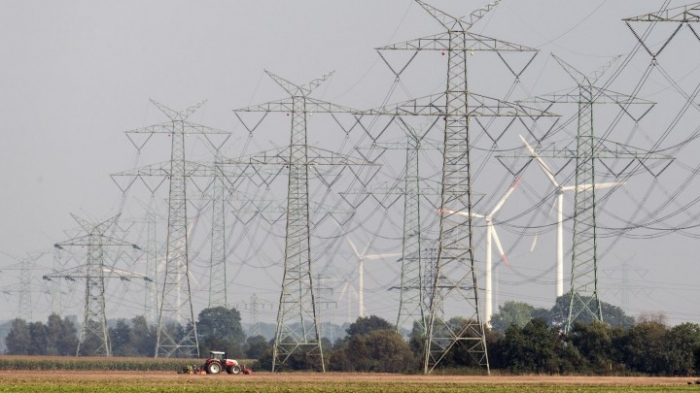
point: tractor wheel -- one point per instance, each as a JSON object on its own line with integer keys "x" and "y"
{"x": 234, "y": 370}
{"x": 214, "y": 368}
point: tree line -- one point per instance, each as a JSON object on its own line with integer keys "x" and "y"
{"x": 521, "y": 340}
{"x": 218, "y": 328}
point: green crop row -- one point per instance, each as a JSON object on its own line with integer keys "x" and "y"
{"x": 376, "y": 387}
{"x": 94, "y": 364}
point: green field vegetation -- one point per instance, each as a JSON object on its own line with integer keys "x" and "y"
{"x": 48, "y": 363}
{"x": 241, "y": 384}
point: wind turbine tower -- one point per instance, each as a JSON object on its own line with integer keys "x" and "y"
{"x": 361, "y": 258}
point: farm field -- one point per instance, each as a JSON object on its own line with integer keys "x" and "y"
{"x": 162, "y": 381}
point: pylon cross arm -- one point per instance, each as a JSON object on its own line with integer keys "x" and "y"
{"x": 472, "y": 42}
{"x": 685, "y": 14}
{"x": 600, "y": 96}
{"x": 193, "y": 128}
{"x": 192, "y": 169}
{"x": 286, "y": 105}
{"x": 89, "y": 240}
{"x": 478, "y": 105}
{"x": 163, "y": 128}
{"x": 315, "y": 156}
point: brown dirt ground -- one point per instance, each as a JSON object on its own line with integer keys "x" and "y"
{"x": 348, "y": 377}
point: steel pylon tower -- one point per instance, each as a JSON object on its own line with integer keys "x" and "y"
{"x": 456, "y": 106}
{"x": 254, "y": 329}
{"x": 297, "y": 324}
{"x": 411, "y": 302}
{"x": 25, "y": 266}
{"x": 151, "y": 302}
{"x": 94, "y": 319}
{"x": 217, "y": 276}
{"x": 59, "y": 260}
{"x": 584, "y": 289}
{"x": 176, "y": 296}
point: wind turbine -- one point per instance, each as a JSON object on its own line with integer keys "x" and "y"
{"x": 491, "y": 237}
{"x": 361, "y": 258}
{"x": 560, "y": 211}
{"x": 348, "y": 292}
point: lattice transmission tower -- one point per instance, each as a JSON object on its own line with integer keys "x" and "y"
{"x": 456, "y": 107}
{"x": 217, "y": 262}
{"x": 584, "y": 289}
{"x": 297, "y": 324}
{"x": 151, "y": 300}
{"x": 23, "y": 288}
{"x": 412, "y": 300}
{"x": 176, "y": 296}
{"x": 95, "y": 271}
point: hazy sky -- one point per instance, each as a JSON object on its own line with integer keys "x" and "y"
{"x": 74, "y": 75}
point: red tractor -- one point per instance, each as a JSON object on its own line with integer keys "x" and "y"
{"x": 217, "y": 361}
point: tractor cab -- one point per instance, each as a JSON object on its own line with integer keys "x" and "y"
{"x": 217, "y": 355}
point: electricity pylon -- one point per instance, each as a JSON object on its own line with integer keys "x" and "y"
{"x": 25, "y": 266}
{"x": 584, "y": 256}
{"x": 412, "y": 302}
{"x": 254, "y": 329}
{"x": 217, "y": 269}
{"x": 176, "y": 296}
{"x": 60, "y": 260}
{"x": 297, "y": 324}
{"x": 456, "y": 106}
{"x": 151, "y": 302}
{"x": 94, "y": 319}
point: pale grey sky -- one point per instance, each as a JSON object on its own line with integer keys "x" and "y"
{"x": 74, "y": 75}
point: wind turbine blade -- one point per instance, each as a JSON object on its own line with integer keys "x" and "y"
{"x": 354, "y": 291}
{"x": 343, "y": 291}
{"x": 544, "y": 166}
{"x": 375, "y": 257}
{"x": 588, "y": 186}
{"x": 505, "y": 197}
{"x": 459, "y": 213}
{"x": 347, "y": 238}
{"x": 352, "y": 245}
{"x": 498, "y": 245}
{"x": 551, "y": 209}
{"x": 192, "y": 225}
